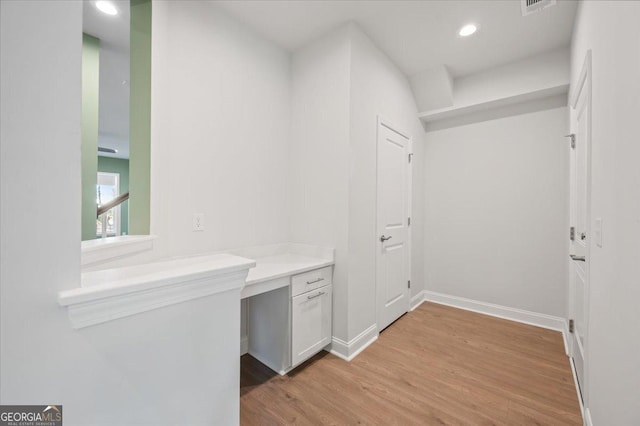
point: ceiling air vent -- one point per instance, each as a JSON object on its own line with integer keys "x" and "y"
{"x": 532, "y": 6}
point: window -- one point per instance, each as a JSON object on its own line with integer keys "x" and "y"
{"x": 107, "y": 189}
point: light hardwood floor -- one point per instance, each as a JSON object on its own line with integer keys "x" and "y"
{"x": 434, "y": 366}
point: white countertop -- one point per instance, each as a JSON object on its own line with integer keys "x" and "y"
{"x": 283, "y": 265}
{"x": 113, "y": 293}
{"x": 131, "y": 279}
{"x": 276, "y": 263}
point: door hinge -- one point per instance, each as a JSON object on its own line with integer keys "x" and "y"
{"x": 571, "y": 326}
{"x": 409, "y": 284}
{"x": 410, "y": 155}
{"x": 572, "y": 233}
{"x": 572, "y": 137}
{"x": 408, "y": 221}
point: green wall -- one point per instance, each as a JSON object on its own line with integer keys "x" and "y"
{"x": 90, "y": 95}
{"x": 121, "y": 166}
{"x": 140, "y": 117}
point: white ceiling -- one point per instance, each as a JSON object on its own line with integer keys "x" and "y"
{"x": 418, "y": 35}
{"x": 113, "y": 32}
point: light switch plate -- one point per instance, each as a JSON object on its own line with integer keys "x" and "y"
{"x": 597, "y": 231}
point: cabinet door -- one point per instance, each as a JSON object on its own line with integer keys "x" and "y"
{"x": 310, "y": 323}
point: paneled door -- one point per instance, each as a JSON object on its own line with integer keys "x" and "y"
{"x": 580, "y": 189}
{"x": 393, "y": 190}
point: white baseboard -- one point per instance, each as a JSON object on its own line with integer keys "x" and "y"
{"x": 587, "y": 418}
{"x": 575, "y": 382}
{"x": 513, "y": 314}
{"x": 565, "y": 336}
{"x": 244, "y": 345}
{"x": 416, "y": 301}
{"x": 349, "y": 350}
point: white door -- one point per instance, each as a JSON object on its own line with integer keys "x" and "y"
{"x": 580, "y": 219}
{"x": 392, "y": 259}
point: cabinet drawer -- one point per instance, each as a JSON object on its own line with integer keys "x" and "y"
{"x": 310, "y": 280}
{"x": 310, "y": 323}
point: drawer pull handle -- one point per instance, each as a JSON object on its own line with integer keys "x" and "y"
{"x": 315, "y": 281}
{"x": 317, "y": 295}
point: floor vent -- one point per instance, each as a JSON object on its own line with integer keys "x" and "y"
{"x": 532, "y": 6}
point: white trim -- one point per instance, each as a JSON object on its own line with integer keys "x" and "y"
{"x": 91, "y": 312}
{"x": 587, "y": 418}
{"x": 351, "y": 349}
{"x": 583, "y": 87}
{"x": 417, "y": 300}
{"x": 115, "y": 293}
{"x": 513, "y": 314}
{"x": 585, "y": 72}
{"x": 457, "y": 111}
{"x": 572, "y": 366}
{"x": 566, "y": 337}
{"x": 104, "y": 249}
{"x": 244, "y": 344}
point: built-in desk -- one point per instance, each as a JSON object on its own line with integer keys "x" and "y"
{"x": 273, "y": 272}
{"x": 288, "y": 305}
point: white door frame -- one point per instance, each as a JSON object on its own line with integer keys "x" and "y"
{"x": 386, "y": 123}
{"x": 583, "y": 87}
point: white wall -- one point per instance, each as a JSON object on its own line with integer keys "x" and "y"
{"x": 611, "y": 31}
{"x": 319, "y": 174}
{"x": 341, "y": 83}
{"x": 135, "y": 370}
{"x": 496, "y": 211}
{"x": 220, "y": 131}
{"x": 378, "y": 88}
{"x": 40, "y": 113}
{"x": 432, "y": 88}
{"x": 544, "y": 71}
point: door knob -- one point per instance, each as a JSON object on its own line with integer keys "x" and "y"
{"x": 383, "y": 238}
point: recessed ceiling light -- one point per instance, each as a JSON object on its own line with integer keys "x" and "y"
{"x": 106, "y": 7}
{"x": 467, "y": 30}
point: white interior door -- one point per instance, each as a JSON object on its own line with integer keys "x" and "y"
{"x": 392, "y": 262}
{"x": 580, "y": 220}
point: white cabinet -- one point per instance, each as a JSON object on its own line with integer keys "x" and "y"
{"x": 288, "y": 325}
{"x": 311, "y": 280}
{"x": 310, "y": 323}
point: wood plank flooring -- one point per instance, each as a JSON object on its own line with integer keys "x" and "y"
{"x": 434, "y": 366}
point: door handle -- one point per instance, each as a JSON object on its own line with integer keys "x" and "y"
{"x": 577, "y": 258}
{"x": 383, "y": 238}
